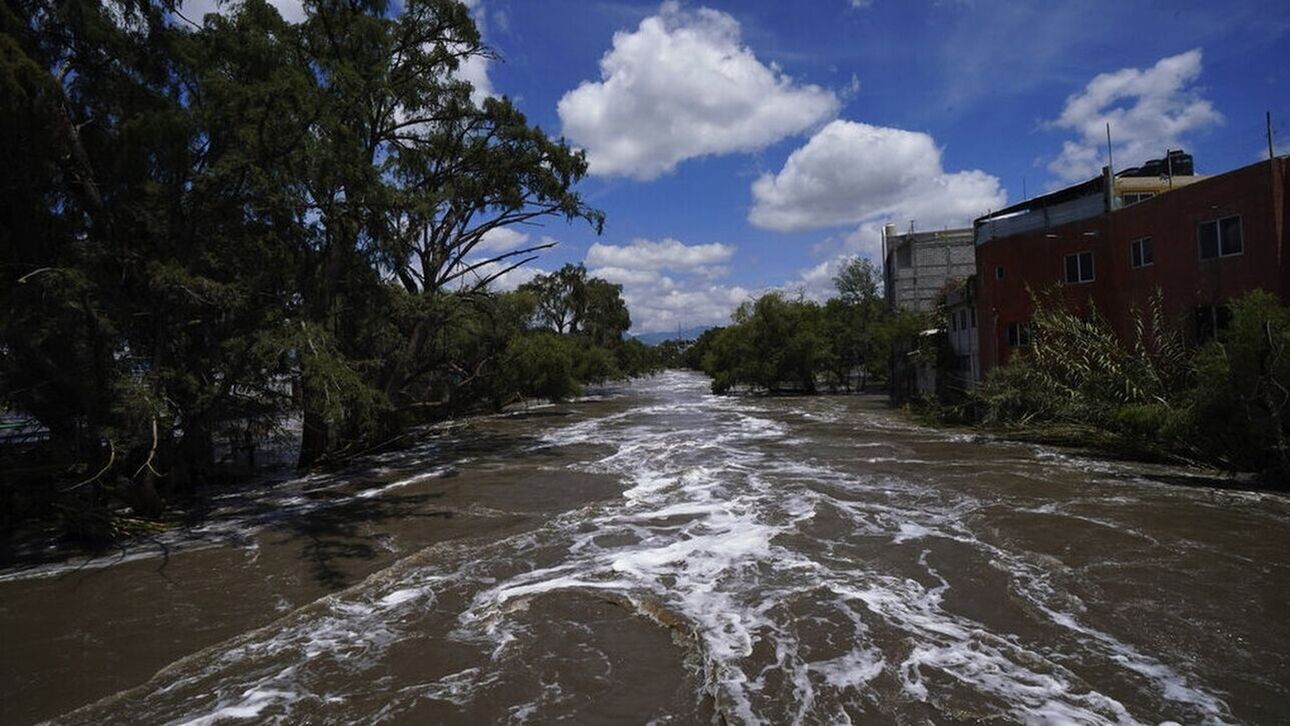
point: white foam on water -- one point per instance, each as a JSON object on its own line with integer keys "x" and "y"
{"x": 433, "y": 473}
{"x": 398, "y": 597}
{"x": 252, "y": 704}
{"x": 1171, "y": 684}
{"x": 911, "y": 530}
{"x": 716, "y": 536}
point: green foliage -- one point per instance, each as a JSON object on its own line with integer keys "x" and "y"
{"x": 1241, "y": 398}
{"x": 1224, "y": 402}
{"x": 214, "y": 228}
{"x": 776, "y": 344}
{"x": 1078, "y": 370}
{"x": 772, "y": 345}
{"x": 693, "y": 355}
{"x": 634, "y": 358}
{"x": 594, "y": 364}
{"x": 540, "y": 365}
{"x": 593, "y": 312}
{"x": 857, "y": 283}
{"x": 570, "y": 302}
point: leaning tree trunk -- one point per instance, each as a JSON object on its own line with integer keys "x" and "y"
{"x": 315, "y": 436}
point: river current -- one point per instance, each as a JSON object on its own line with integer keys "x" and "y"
{"x": 661, "y": 555}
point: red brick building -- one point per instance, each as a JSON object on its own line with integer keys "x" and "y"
{"x": 1201, "y": 244}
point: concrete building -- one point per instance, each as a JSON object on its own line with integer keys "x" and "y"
{"x": 916, "y": 266}
{"x": 1200, "y": 241}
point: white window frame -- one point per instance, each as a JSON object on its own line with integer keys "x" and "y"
{"x": 1019, "y": 335}
{"x": 1079, "y": 268}
{"x": 1218, "y": 237}
{"x": 1136, "y": 247}
{"x": 1137, "y": 197}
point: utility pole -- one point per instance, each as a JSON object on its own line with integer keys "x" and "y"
{"x": 1271, "y": 152}
{"x": 1110, "y": 163}
{"x": 1109, "y": 182}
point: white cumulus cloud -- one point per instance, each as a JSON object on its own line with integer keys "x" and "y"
{"x": 665, "y": 254}
{"x": 292, "y": 11}
{"x": 668, "y": 284}
{"x": 682, "y": 305}
{"x": 501, "y": 278}
{"x": 683, "y": 85}
{"x": 505, "y": 239}
{"x": 816, "y": 282}
{"x": 851, "y": 173}
{"x": 1149, "y": 110}
{"x": 475, "y": 68}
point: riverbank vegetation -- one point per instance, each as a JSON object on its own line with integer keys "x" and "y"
{"x": 1224, "y": 402}
{"x": 214, "y": 226}
{"x": 780, "y": 344}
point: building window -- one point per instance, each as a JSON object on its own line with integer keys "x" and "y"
{"x": 962, "y": 320}
{"x": 1018, "y": 335}
{"x": 998, "y": 272}
{"x": 1220, "y": 237}
{"x": 1079, "y": 267}
{"x": 905, "y": 255}
{"x": 1140, "y": 252}
{"x": 953, "y": 320}
{"x": 972, "y": 316}
{"x": 1135, "y": 197}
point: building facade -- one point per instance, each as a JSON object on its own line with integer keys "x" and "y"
{"x": 916, "y": 266}
{"x": 1202, "y": 244}
{"x": 961, "y": 334}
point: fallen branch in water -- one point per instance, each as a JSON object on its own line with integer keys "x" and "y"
{"x": 108, "y": 465}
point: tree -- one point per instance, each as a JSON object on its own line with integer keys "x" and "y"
{"x": 195, "y": 215}
{"x": 605, "y": 319}
{"x": 774, "y": 343}
{"x": 541, "y": 365}
{"x": 857, "y": 282}
{"x": 407, "y": 178}
{"x": 561, "y": 298}
{"x": 1241, "y": 401}
{"x": 152, "y": 261}
{"x": 857, "y": 326}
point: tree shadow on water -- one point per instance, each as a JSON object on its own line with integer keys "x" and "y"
{"x": 334, "y": 538}
{"x": 1229, "y": 482}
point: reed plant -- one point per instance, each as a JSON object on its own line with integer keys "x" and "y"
{"x": 1150, "y": 389}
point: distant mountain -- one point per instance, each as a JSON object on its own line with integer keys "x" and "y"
{"x": 687, "y": 334}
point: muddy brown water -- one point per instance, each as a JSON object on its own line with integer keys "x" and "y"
{"x": 662, "y": 555}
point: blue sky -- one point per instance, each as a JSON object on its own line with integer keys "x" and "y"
{"x": 741, "y": 146}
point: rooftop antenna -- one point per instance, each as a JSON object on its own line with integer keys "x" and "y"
{"x": 1025, "y": 196}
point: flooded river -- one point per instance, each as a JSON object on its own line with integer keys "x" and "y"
{"x": 662, "y": 555}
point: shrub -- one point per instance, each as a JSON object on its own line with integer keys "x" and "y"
{"x": 1242, "y": 393}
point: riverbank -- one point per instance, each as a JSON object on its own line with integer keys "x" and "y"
{"x": 270, "y": 490}
{"x": 1097, "y": 442}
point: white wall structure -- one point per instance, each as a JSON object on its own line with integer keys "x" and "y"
{"x": 917, "y": 265}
